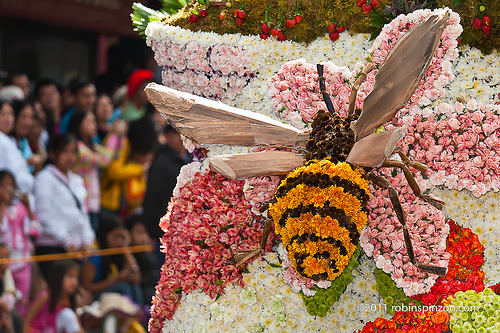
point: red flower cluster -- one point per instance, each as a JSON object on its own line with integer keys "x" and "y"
{"x": 410, "y": 321}
{"x": 463, "y": 269}
{"x": 209, "y": 219}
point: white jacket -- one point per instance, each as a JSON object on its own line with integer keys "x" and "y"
{"x": 12, "y": 160}
{"x": 63, "y": 223}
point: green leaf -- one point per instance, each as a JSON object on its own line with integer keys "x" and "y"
{"x": 377, "y": 20}
{"x": 178, "y": 290}
{"x": 457, "y": 2}
{"x": 219, "y": 282}
{"x": 273, "y": 265}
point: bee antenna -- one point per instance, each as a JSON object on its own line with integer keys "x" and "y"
{"x": 322, "y": 87}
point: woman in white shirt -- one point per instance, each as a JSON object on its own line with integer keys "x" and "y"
{"x": 59, "y": 196}
{"x": 10, "y": 156}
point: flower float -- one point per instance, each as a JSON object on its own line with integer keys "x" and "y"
{"x": 270, "y": 295}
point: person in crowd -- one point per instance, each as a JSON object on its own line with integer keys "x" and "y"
{"x": 150, "y": 274}
{"x": 11, "y": 157}
{"x": 47, "y": 93}
{"x": 119, "y": 97}
{"x": 53, "y": 310}
{"x": 123, "y": 182}
{"x": 38, "y": 137}
{"x": 22, "y": 81}
{"x": 84, "y": 98}
{"x": 135, "y": 106}
{"x": 18, "y": 227}
{"x": 116, "y": 273}
{"x": 10, "y": 321}
{"x": 24, "y": 113}
{"x": 162, "y": 178}
{"x": 92, "y": 156}
{"x": 62, "y": 214}
{"x": 103, "y": 112}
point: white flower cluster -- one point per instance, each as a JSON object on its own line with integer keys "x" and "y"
{"x": 482, "y": 216}
{"x": 476, "y": 77}
{"x": 267, "y": 304}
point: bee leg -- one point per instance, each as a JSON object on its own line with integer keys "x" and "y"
{"x": 411, "y": 180}
{"x": 322, "y": 87}
{"x": 393, "y": 195}
{"x": 242, "y": 256}
{"x": 355, "y": 87}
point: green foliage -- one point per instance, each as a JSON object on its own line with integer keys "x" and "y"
{"x": 319, "y": 304}
{"x": 317, "y": 16}
{"x": 142, "y": 15}
{"x": 392, "y": 295}
{"x": 470, "y": 9}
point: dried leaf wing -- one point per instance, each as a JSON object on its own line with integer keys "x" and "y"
{"x": 400, "y": 73}
{"x": 210, "y": 122}
{"x": 266, "y": 163}
{"x": 372, "y": 150}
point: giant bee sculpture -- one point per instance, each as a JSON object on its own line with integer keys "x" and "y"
{"x": 319, "y": 209}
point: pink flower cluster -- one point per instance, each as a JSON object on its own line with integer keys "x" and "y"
{"x": 260, "y": 190}
{"x": 218, "y": 72}
{"x": 439, "y": 73}
{"x": 460, "y": 145}
{"x": 295, "y": 92}
{"x": 383, "y": 237}
{"x": 207, "y": 221}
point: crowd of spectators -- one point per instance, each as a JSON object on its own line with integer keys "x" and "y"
{"x": 76, "y": 165}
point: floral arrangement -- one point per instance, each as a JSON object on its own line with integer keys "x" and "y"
{"x": 476, "y": 311}
{"x": 463, "y": 268}
{"x": 383, "y": 237}
{"x": 411, "y": 321}
{"x": 248, "y": 72}
{"x": 200, "y": 246}
{"x": 391, "y": 294}
{"x": 319, "y": 223}
{"x": 268, "y": 304}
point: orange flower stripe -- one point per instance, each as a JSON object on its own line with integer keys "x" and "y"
{"x": 343, "y": 170}
{"x": 314, "y": 266}
{"x": 305, "y": 195}
{"x": 315, "y": 224}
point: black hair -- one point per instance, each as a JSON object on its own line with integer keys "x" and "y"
{"x": 74, "y": 126}
{"x": 133, "y": 220}
{"x": 6, "y": 173}
{"x": 18, "y": 106}
{"x": 59, "y": 142}
{"x": 78, "y": 84}
{"x": 44, "y": 83}
{"x": 55, "y": 278}
{"x": 108, "y": 222}
{"x": 142, "y": 135}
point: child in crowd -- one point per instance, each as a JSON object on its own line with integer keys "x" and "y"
{"x": 18, "y": 226}
{"x": 123, "y": 182}
{"x": 24, "y": 113}
{"x": 9, "y": 319}
{"x": 59, "y": 199}
{"x": 150, "y": 275}
{"x": 53, "y": 310}
{"x": 115, "y": 273}
{"x": 92, "y": 156}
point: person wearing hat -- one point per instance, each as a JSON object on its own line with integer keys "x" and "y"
{"x": 135, "y": 107}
